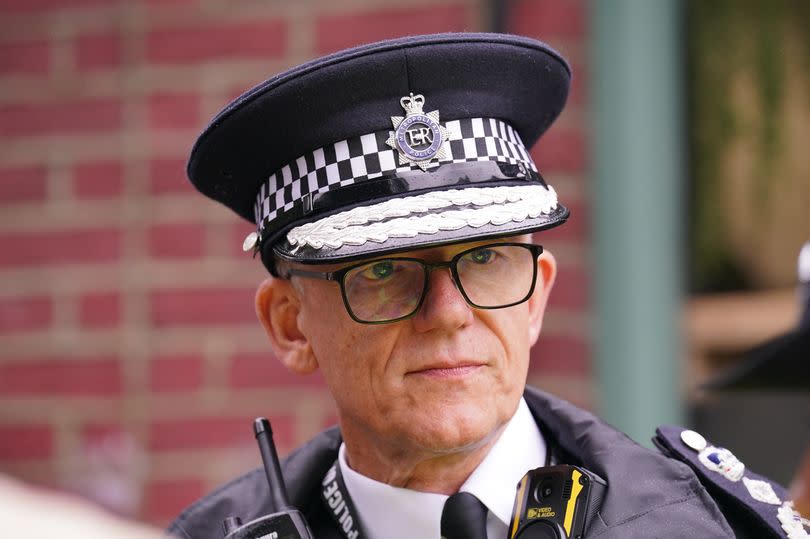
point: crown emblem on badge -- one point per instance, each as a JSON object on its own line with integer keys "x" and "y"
{"x": 418, "y": 137}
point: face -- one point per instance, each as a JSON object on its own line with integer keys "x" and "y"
{"x": 445, "y": 380}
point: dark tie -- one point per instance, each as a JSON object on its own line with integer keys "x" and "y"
{"x": 464, "y": 517}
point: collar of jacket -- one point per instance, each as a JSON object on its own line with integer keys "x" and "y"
{"x": 648, "y": 493}
{"x": 644, "y": 486}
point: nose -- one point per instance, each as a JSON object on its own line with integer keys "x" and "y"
{"x": 444, "y": 307}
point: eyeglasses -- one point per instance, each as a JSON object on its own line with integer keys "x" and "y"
{"x": 491, "y": 276}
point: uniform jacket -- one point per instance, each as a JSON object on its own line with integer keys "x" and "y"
{"x": 649, "y": 495}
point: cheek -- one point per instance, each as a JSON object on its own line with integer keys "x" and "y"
{"x": 511, "y": 328}
{"x": 349, "y": 354}
{"x": 325, "y": 322}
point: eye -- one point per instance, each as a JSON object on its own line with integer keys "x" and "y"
{"x": 379, "y": 270}
{"x": 481, "y": 256}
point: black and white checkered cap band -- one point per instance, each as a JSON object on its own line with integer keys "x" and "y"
{"x": 368, "y": 156}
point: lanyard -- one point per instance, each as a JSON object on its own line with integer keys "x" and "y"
{"x": 336, "y": 498}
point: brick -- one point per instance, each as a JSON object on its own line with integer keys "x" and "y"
{"x": 560, "y": 150}
{"x": 100, "y": 309}
{"x": 213, "y": 432}
{"x": 330, "y": 421}
{"x": 19, "y": 442}
{"x": 577, "y": 94}
{"x": 168, "y": 176}
{"x": 339, "y": 31}
{"x": 173, "y": 111}
{"x": 177, "y": 240}
{"x": 576, "y": 228}
{"x": 261, "y": 39}
{"x": 571, "y": 289}
{"x": 157, "y": 4}
{"x": 61, "y": 378}
{"x": 25, "y": 57}
{"x": 164, "y": 499}
{"x": 35, "y": 6}
{"x": 108, "y": 442}
{"x": 182, "y": 373}
{"x": 234, "y": 92}
{"x": 254, "y": 371}
{"x": 101, "y": 179}
{"x": 23, "y": 184}
{"x": 20, "y": 314}
{"x": 98, "y": 51}
{"x": 204, "y": 306}
{"x": 558, "y": 18}
{"x": 59, "y": 247}
{"x": 96, "y": 434}
{"x": 70, "y": 117}
{"x": 560, "y": 354}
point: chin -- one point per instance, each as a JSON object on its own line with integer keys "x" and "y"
{"x": 456, "y": 430}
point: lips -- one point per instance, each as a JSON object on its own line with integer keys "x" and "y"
{"x": 449, "y": 369}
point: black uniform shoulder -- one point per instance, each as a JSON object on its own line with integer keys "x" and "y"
{"x": 648, "y": 494}
{"x": 755, "y": 506}
{"x": 246, "y": 496}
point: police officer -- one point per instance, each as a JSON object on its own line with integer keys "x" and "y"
{"x": 394, "y": 194}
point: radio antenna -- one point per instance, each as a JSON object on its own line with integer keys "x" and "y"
{"x": 272, "y": 469}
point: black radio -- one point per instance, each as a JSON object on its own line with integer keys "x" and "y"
{"x": 284, "y": 521}
{"x": 556, "y": 502}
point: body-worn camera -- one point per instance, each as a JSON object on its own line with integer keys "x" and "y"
{"x": 556, "y": 502}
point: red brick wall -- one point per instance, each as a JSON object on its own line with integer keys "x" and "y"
{"x": 131, "y": 363}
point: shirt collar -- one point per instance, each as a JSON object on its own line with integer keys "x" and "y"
{"x": 520, "y": 448}
{"x": 391, "y": 512}
{"x": 399, "y": 513}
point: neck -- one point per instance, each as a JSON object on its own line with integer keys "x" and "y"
{"x": 440, "y": 472}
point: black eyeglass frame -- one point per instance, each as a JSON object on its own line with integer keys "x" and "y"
{"x": 427, "y": 267}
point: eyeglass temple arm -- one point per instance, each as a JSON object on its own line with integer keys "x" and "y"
{"x": 327, "y": 276}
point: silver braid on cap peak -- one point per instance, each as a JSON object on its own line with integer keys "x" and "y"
{"x": 428, "y": 213}
{"x": 368, "y": 157}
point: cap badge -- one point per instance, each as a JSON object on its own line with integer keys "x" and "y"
{"x": 418, "y": 137}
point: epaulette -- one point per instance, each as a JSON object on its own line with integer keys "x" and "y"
{"x": 734, "y": 487}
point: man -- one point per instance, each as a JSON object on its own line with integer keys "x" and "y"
{"x": 394, "y": 196}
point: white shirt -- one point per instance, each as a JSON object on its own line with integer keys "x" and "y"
{"x": 398, "y": 513}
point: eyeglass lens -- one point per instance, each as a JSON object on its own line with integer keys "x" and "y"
{"x": 490, "y": 276}
{"x": 385, "y": 289}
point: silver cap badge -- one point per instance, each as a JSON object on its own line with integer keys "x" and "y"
{"x": 418, "y": 136}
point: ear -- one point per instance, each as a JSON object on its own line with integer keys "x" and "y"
{"x": 546, "y": 273}
{"x": 278, "y": 306}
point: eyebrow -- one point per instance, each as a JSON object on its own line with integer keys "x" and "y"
{"x": 309, "y": 269}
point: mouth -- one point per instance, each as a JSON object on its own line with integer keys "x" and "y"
{"x": 455, "y": 370}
